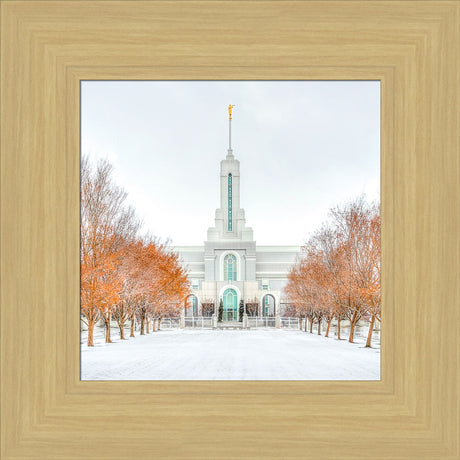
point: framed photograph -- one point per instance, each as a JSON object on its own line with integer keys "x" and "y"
{"x": 49, "y": 410}
{"x": 291, "y": 258}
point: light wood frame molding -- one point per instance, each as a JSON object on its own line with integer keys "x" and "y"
{"x": 412, "y": 47}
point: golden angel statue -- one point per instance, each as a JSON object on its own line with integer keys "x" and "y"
{"x": 230, "y": 107}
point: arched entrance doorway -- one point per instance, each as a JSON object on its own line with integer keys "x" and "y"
{"x": 230, "y": 303}
{"x": 191, "y": 305}
{"x": 268, "y": 305}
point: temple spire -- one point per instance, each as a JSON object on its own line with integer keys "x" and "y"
{"x": 230, "y": 151}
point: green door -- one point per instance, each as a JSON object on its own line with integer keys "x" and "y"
{"x": 230, "y": 302}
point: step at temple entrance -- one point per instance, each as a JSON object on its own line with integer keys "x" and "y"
{"x": 227, "y": 325}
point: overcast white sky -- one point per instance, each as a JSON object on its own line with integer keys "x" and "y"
{"x": 303, "y": 148}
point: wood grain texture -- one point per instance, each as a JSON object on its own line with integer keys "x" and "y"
{"x": 48, "y": 47}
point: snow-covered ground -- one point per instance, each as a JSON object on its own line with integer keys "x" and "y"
{"x": 262, "y": 354}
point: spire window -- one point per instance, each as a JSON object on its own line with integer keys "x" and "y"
{"x": 230, "y": 217}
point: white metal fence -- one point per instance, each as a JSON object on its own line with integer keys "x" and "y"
{"x": 261, "y": 321}
{"x": 170, "y": 323}
{"x": 200, "y": 322}
{"x": 205, "y": 322}
{"x": 290, "y": 323}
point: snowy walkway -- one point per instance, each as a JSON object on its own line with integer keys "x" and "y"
{"x": 230, "y": 355}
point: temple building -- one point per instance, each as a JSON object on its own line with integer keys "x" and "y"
{"x": 230, "y": 267}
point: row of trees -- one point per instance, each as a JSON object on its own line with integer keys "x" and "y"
{"x": 125, "y": 276}
{"x": 338, "y": 275}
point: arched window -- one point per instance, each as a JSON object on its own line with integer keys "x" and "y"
{"x": 191, "y": 306}
{"x": 230, "y": 267}
{"x": 194, "y": 305}
{"x": 268, "y": 305}
{"x": 229, "y": 217}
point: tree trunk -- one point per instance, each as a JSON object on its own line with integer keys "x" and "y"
{"x": 305, "y": 327}
{"x": 338, "y": 329}
{"x": 369, "y": 334}
{"x": 132, "y": 327}
{"x": 147, "y": 320}
{"x": 122, "y": 332}
{"x": 328, "y": 327}
{"x": 91, "y": 325}
{"x": 107, "y": 331}
{"x": 142, "y": 325}
{"x": 311, "y": 325}
{"x": 352, "y": 331}
{"x": 159, "y": 323}
{"x": 319, "y": 327}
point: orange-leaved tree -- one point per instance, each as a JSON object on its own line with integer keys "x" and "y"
{"x": 107, "y": 226}
{"x": 338, "y": 274}
{"x": 357, "y": 225}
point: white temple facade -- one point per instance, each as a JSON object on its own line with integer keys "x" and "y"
{"x": 230, "y": 267}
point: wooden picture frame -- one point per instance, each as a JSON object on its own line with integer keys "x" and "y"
{"x": 48, "y": 47}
